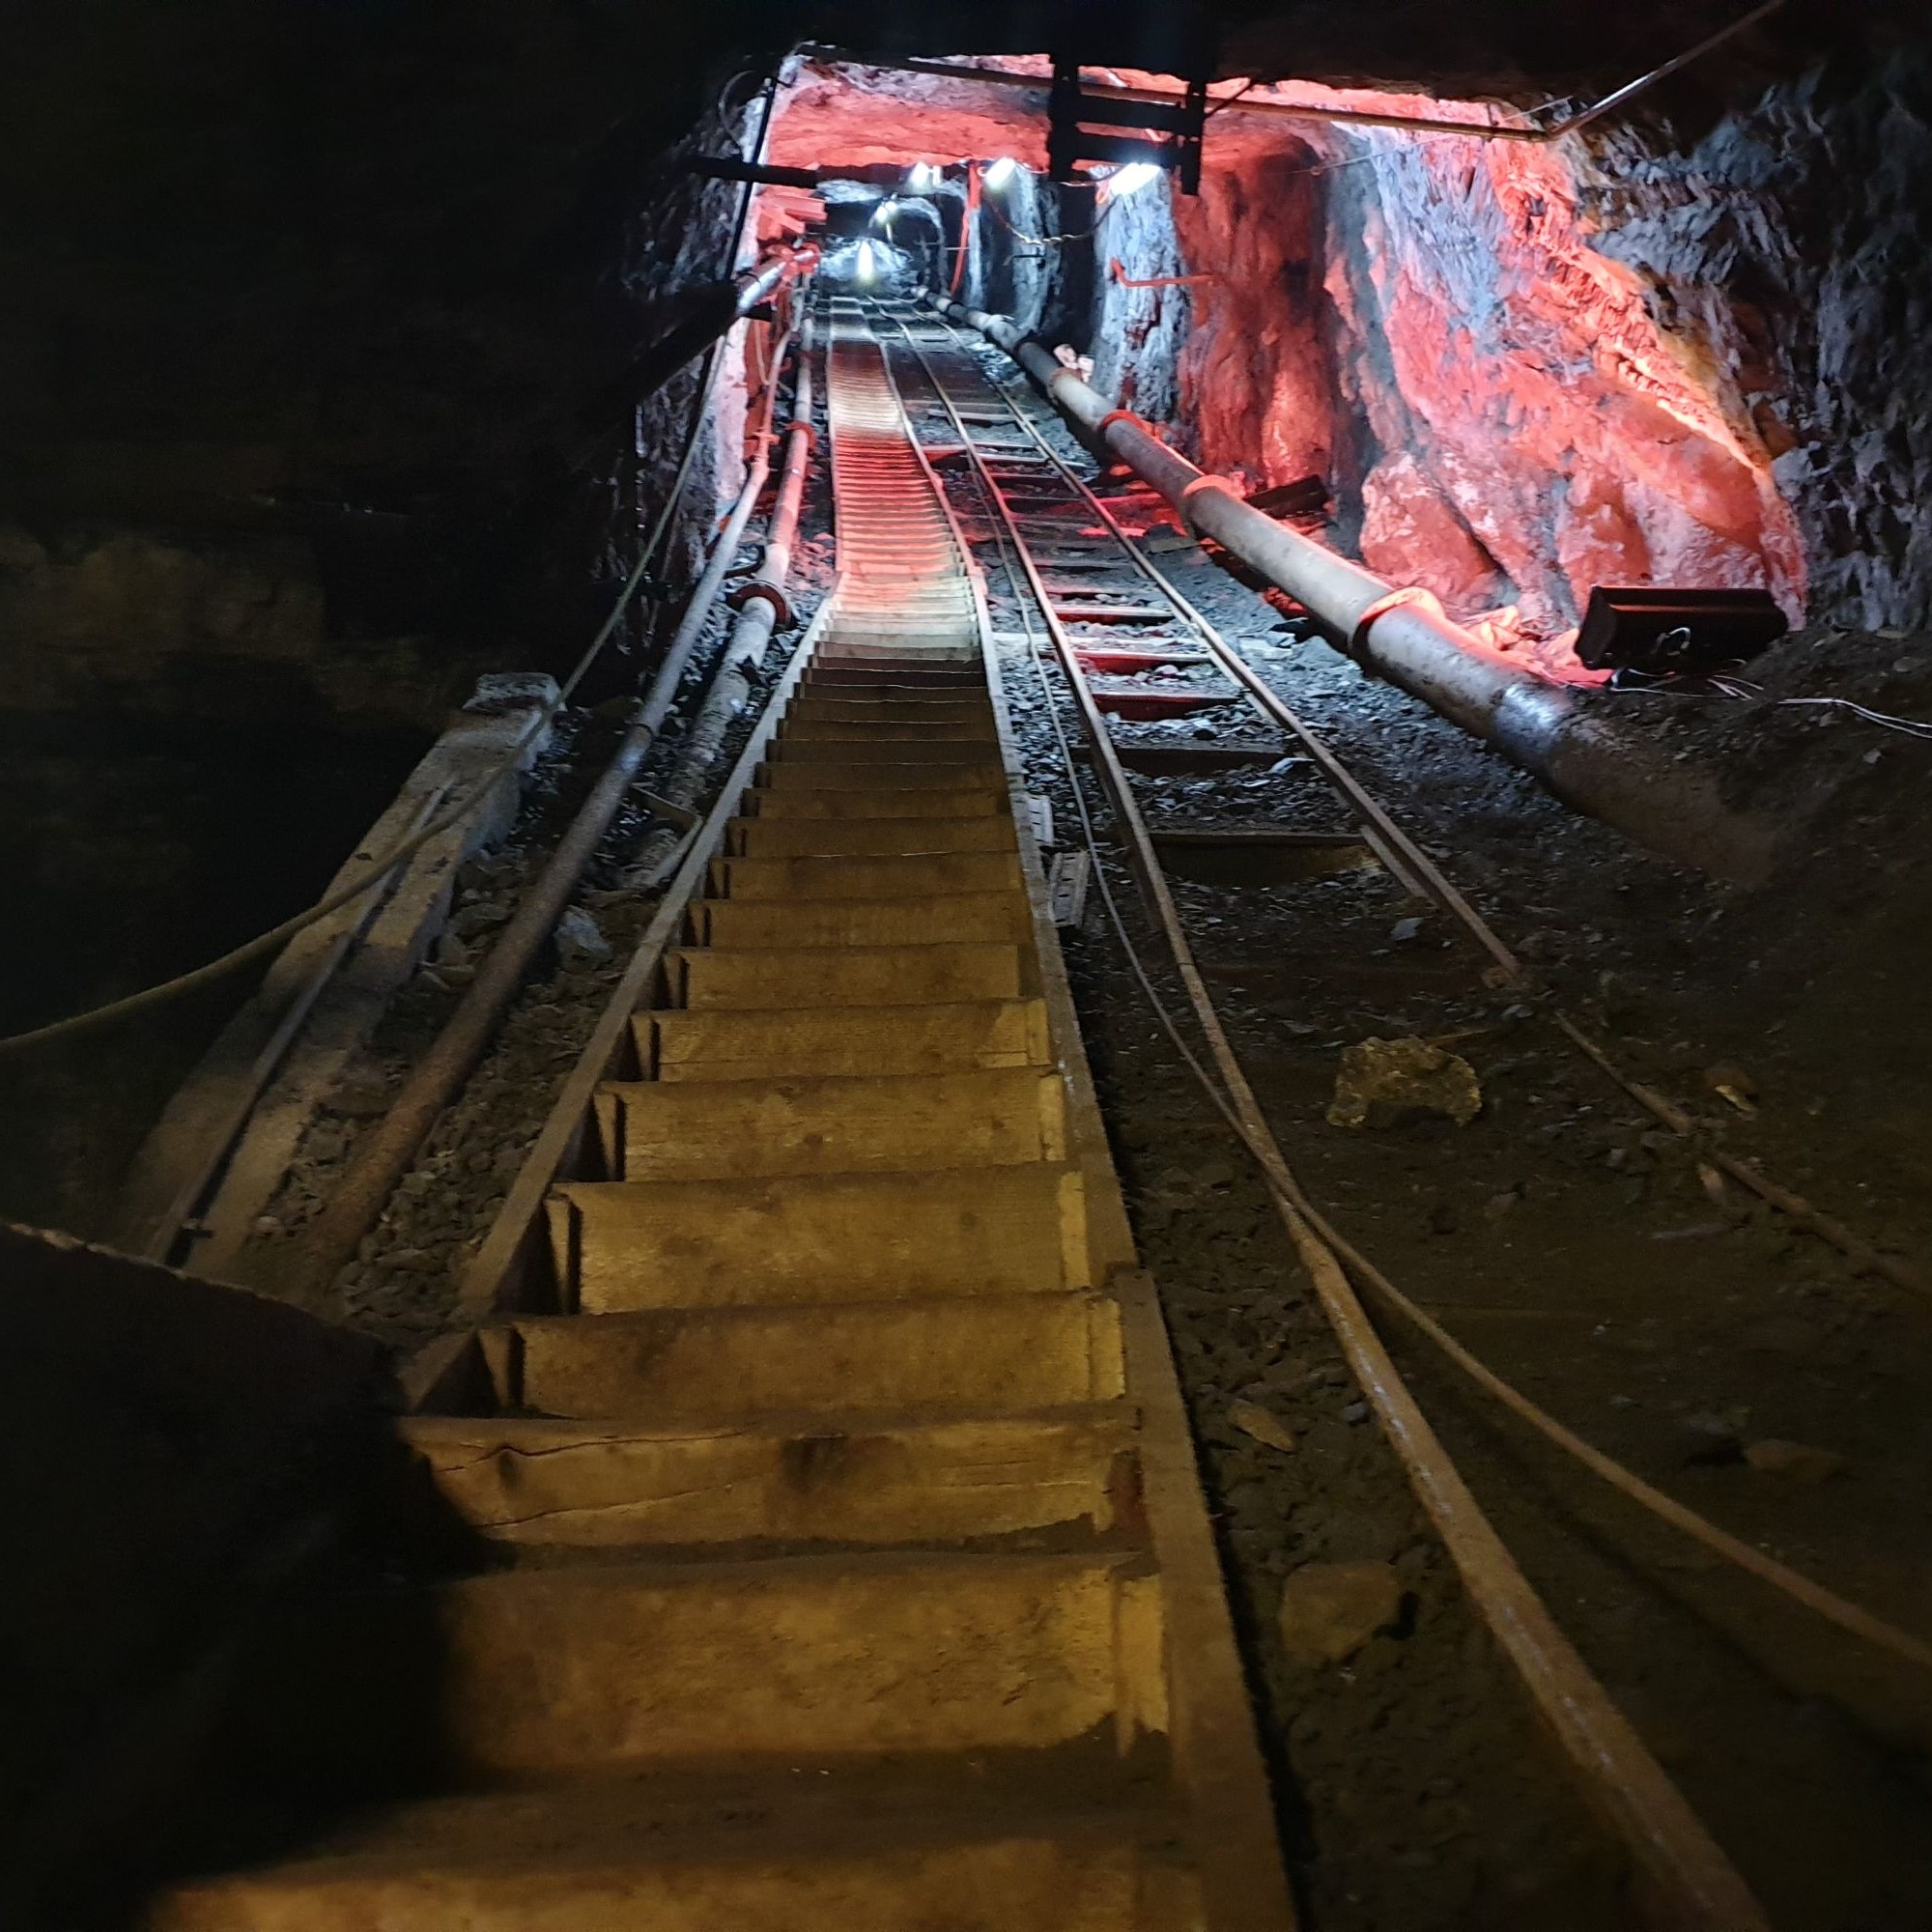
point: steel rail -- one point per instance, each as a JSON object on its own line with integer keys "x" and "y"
{"x": 892, "y": 548}
{"x": 1318, "y": 1233}
{"x": 1692, "y": 1882}
{"x": 180, "y": 1216}
{"x": 1548, "y": 729}
{"x": 1411, "y": 863}
{"x": 384, "y": 1153}
{"x": 497, "y": 1280}
{"x": 1382, "y": 830}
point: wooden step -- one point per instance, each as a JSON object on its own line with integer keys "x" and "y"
{"x": 784, "y": 1043}
{"x": 728, "y": 1365}
{"x": 884, "y": 775}
{"x": 807, "y": 838}
{"x": 904, "y": 710}
{"x": 833, "y": 1477}
{"x": 912, "y": 678}
{"x": 948, "y": 918}
{"x": 865, "y": 878}
{"x": 872, "y": 731}
{"x": 822, "y": 1849}
{"x": 624, "y": 1245}
{"x": 784, "y": 977}
{"x": 847, "y": 648}
{"x": 976, "y": 800}
{"x": 601, "y": 1668}
{"x": 659, "y": 1130}
{"x": 866, "y": 746}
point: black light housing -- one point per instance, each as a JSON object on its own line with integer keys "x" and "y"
{"x": 1662, "y": 631}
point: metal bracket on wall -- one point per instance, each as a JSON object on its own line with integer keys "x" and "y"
{"x": 1078, "y": 122}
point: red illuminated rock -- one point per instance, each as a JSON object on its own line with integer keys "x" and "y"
{"x": 1406, "y": 518}
{"x": 1422, "y": 319}
{"x": 1525, "y": 412}
{"x": 857, "y": 116}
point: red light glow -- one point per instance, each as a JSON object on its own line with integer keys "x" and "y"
{"x": 1420, "y": 320}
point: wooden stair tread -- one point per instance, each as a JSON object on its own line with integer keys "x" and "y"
{"x": 919, "y": 1036}
{"x": 657, "y": 1131}
{"x": 957, "y": 1354}
{"x": 831, "y": 1477}
{"x": 813, "y": 1237}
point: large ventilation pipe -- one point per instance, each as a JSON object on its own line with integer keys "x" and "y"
{"x": 1555, "y": 732}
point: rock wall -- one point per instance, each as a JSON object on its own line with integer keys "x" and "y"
{"x": 1792, "y": 243}
{"x": 1137, "y": 332}
{"x": 1257, "y": 380}
{"x": 1528, "y": 419}
{"x": 118, "y": 620}
{"x": 1425, "y": 323}
{"x": 1663, "y": 357}
{"x": 340, "y": 297}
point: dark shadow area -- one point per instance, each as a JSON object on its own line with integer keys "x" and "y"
{"x": 143, "y": 849}
{"x": 191, "y": 1470}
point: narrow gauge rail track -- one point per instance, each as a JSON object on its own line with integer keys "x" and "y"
{"x": 838, "y": 1557}
{"x": 1081, "y": 587}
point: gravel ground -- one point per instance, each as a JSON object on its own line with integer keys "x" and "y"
{"x": 1589, "y": 1256}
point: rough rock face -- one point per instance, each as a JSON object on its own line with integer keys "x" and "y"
{"x": 856, "y": 115}
{"x": 1137, "y": 333}
{"x": 1409, "y": 521}
{"x": 359, "y": 282}
{"x": 1526, "y": 376}
{"x": 1792, "y": 242}
{"x": 1424, "y": 321}
{"x": 125, "y": 621}
{"x": 1257, "y": 376}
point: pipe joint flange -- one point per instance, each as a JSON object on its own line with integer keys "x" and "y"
{"x": 772, "y": 594}
{"x": 1193, "y": 490}
{"x": 1359, "y": 638}
{"x": 1113, "y": 416}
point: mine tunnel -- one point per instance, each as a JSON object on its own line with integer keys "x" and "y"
{"x": 966, "y": 968}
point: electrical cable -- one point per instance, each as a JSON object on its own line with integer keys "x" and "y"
{"x": 1006, "y": 222}
{"x": 1848, "y": 1616}
{"x": 1222, "y": 102}
{"x": 1890, "y": 720}
{"x": 1727, "y": 684}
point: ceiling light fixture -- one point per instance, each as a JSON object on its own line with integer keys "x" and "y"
{"x": 1132, "y": 178}
{"x": 999, "y": 173}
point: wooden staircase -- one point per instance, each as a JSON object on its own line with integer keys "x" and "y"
{"x": 843, "y": 1563}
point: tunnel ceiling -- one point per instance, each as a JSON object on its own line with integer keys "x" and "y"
{"x": 386, "y": 255}
{"x": 301, "y": 228}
